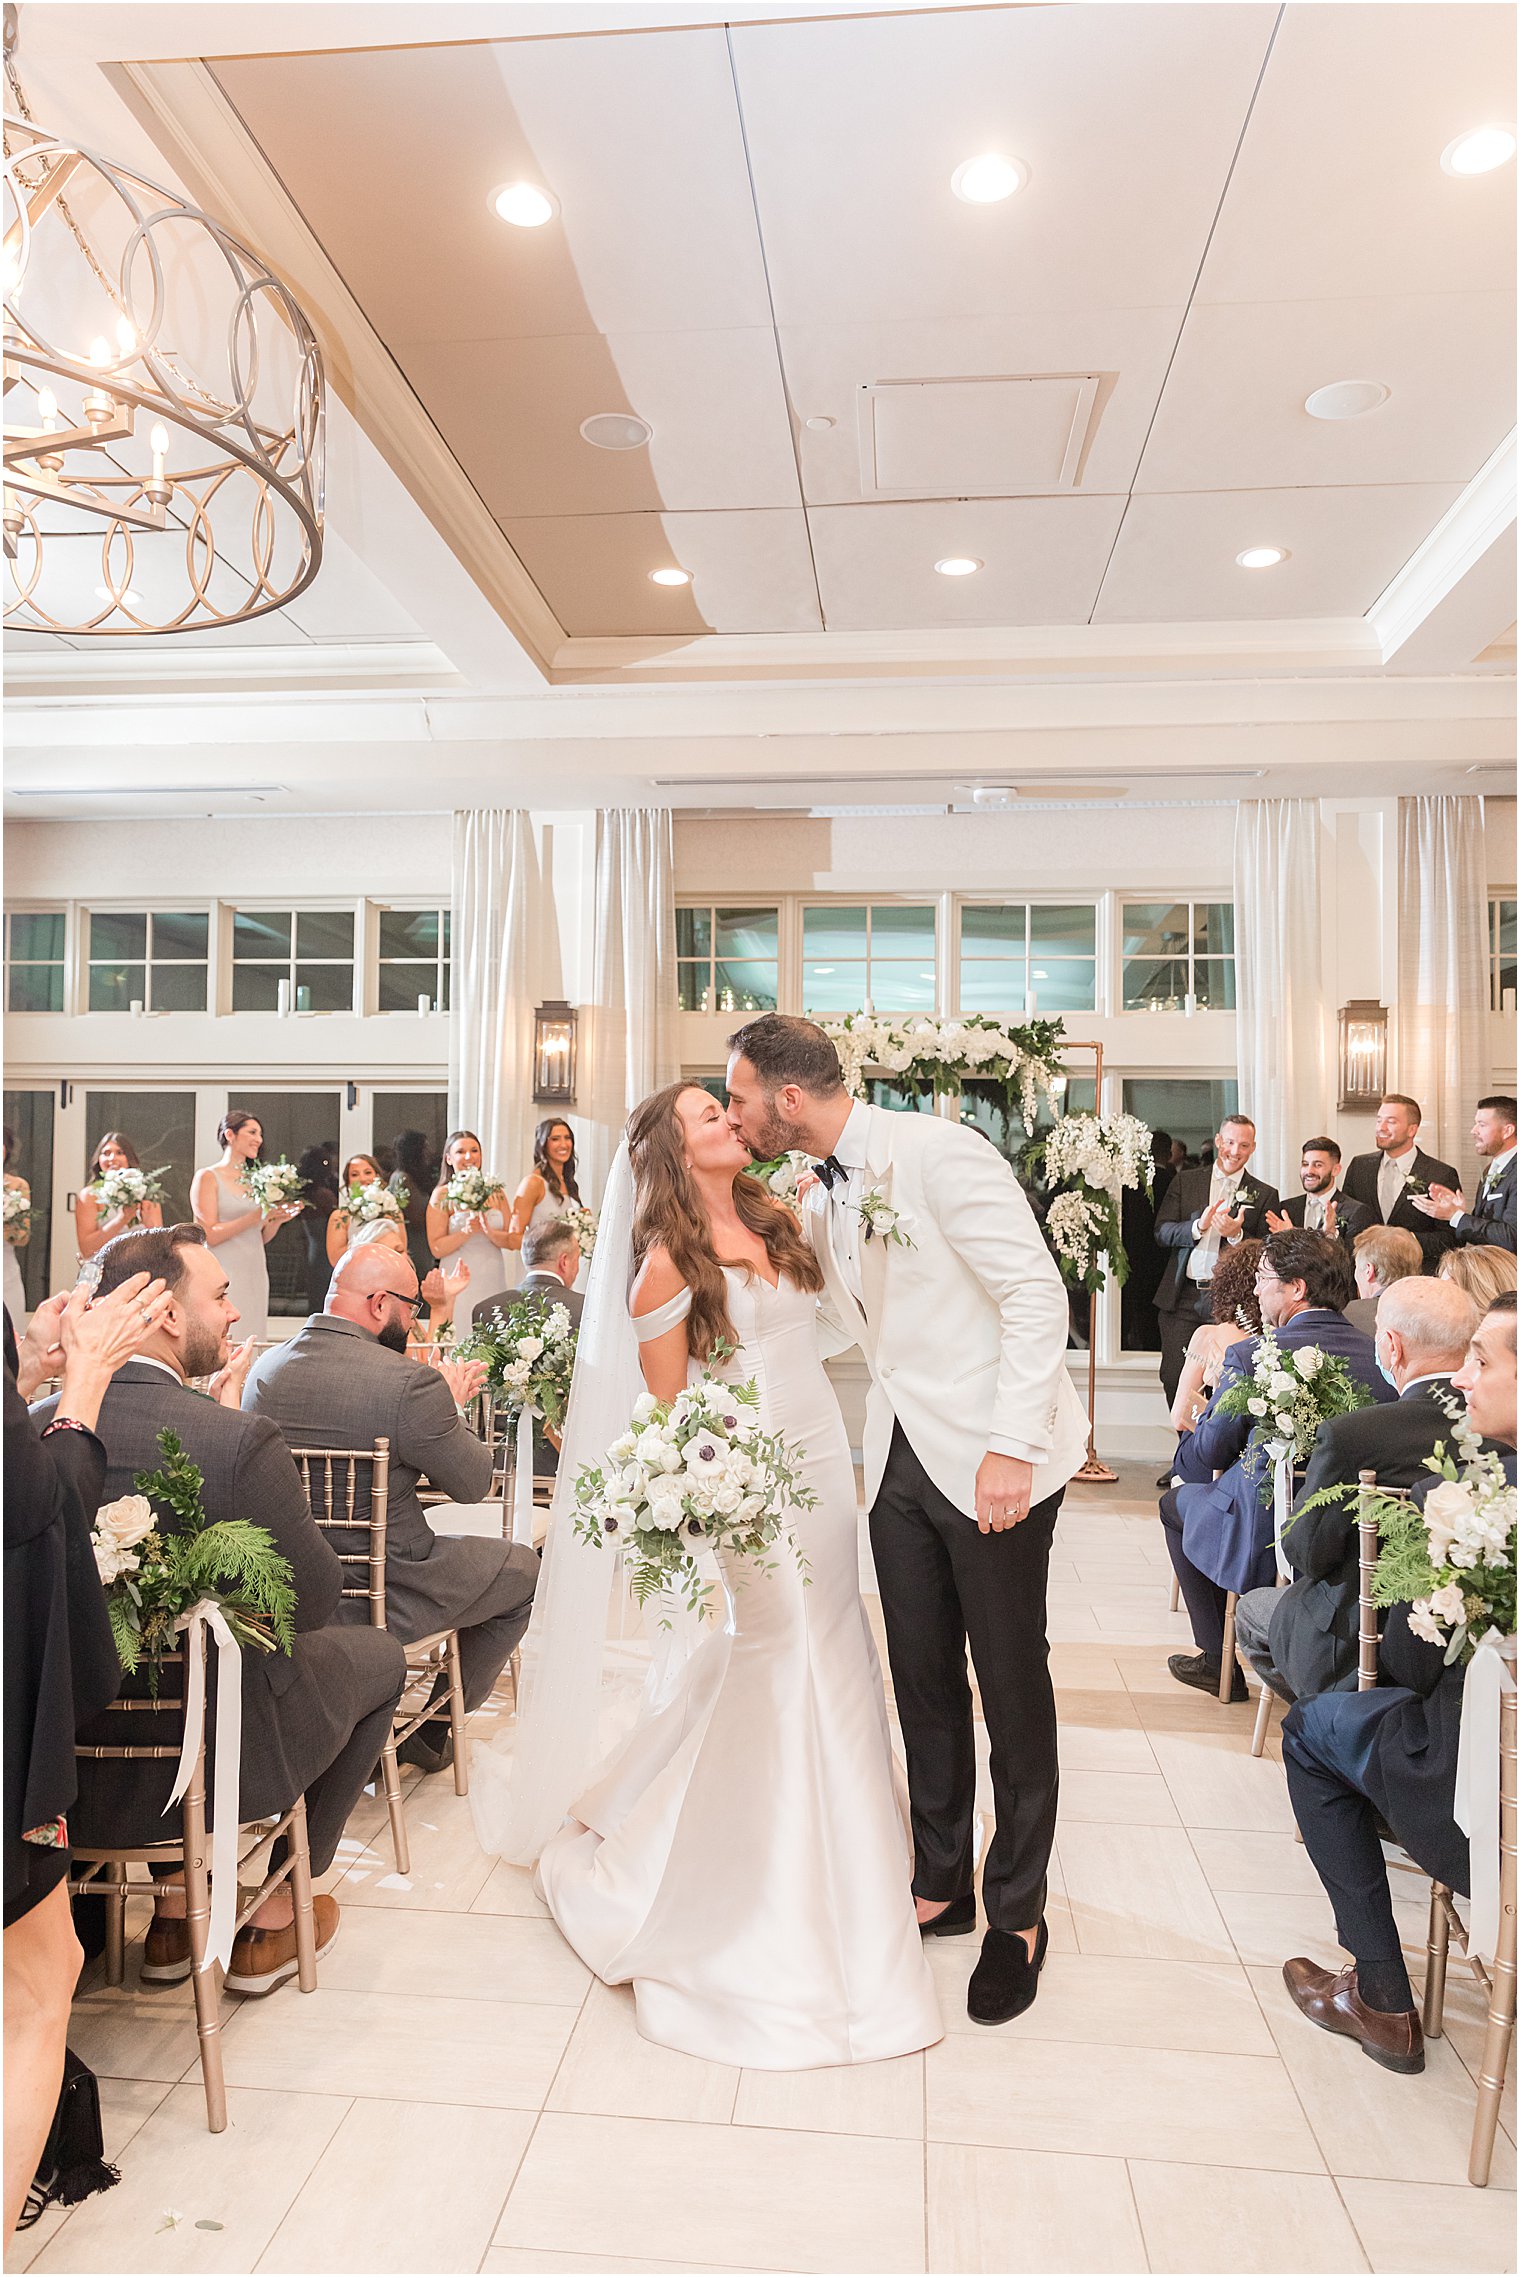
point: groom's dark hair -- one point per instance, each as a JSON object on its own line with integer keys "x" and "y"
{"x": 783, "y": 1050}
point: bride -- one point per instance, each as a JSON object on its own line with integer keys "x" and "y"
{"x": 742, "y": 1859}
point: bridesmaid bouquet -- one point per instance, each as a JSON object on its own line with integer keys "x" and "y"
{"x": 273, "y": 1184}
{"x": 689, "y": 1474}
{"x": 582, "y": 1223}
{"x": 782, "y": 1176}
{"x": 471, "y": 1190}
{"x": 360, "y": 1204}
{"x": 18, "y": 1210}
{"x": 128, "y": 1189}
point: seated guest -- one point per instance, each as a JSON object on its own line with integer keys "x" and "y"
{"x": 440, "y": 1290}
{"x": 1237, "y": 1316}
{"x": 1321, "y": 1207}
{"x": 315, "y": 1719}
{"x": 344, "y": 1380}
{"x": 1391, "y": 1182}
{"x": 1381, "y": 1255}
{"x": 1485, "y": 1271}
{"x": 1491, "y": 1218}
{"x": 1195, "y": 1222}
{"x": 1302, "y": 1639}
{"x": 1356, "y": 1758}
{"x": 1219, "y": 1528}
{"x": 553, "y": 1258}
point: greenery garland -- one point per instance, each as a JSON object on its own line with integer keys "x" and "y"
{"x": 929, "y": 1058}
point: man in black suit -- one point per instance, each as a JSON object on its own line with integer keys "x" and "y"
{"x": 1353, "y": 1758}
{"x": 1392, "y": 1181}
{"x": 1202, "y": 1210}
{"x": 1321, "y": 1207}
{"x": 315, "y": 1719}
{"x": 1491, "y": 1218}
{"x": 553, "y": 1257}
{"x": 1302, "y": 1639}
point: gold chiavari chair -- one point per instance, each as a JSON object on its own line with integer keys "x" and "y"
{"x": 349, "y": 1492}
{"x": 101, "y": 1871}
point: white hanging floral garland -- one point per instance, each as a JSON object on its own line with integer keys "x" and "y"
{"x": 927, "y": 1056}
{"x": 1088, "y": 1162}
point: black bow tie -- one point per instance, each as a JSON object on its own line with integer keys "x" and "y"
{"x": 831, "y": 1172}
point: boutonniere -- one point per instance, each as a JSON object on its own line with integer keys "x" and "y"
{"x": 1246, "y": 1198}
{"x": 880, "y": 1220}
{"x": 1415, "y": 1184}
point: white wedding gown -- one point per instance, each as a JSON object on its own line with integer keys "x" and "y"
{"x": 743, "y": 1858}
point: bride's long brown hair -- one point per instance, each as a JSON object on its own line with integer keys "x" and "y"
{"x": 668, "y": 1214}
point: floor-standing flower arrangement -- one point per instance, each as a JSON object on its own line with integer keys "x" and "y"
{"x": 1087, "y": 1163}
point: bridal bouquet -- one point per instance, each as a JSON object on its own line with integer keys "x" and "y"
{"x": 18, "y": 1210}
{"x": 471, "y": 1190}
{"x": 1288, "y": 1395}
{"x": 1088, "y": 1162}
{"x": 273, "y": 1184}
{"x": 529, "y": 1351}
{"x": 1452, "y": 1563}
{"x": 361, "y": 1204}
{"x": 128, "y": 1189}
{"x": 582, "y": 1223}
{"x": 152, "y": 1578}
{"x": 692, "y": 1473}
{"x": 781, "y": 1176}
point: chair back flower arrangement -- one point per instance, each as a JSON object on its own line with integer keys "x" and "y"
{"x": 1288, "y": 1395}
{"x": 1087, "y": 1163}
{"x": 1452, "y": 1563}
{"x": 528, "y": 1347}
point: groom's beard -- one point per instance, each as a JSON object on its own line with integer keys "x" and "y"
{"x": 773, "y": 1137}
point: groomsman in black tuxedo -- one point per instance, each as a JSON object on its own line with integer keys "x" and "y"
{"x": 1392, "y": 1182}
{"x": 1203, "y": 1209}
{"x": 1491, "y": 1218}
{"x": 1321, "y": 1207}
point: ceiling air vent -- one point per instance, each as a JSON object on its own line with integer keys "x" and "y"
{"x": 975, "y": 438}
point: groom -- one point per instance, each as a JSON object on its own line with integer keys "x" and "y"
{"x": 934, "y": 1265}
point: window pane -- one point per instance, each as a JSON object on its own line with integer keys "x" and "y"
{"x": 746, "y": 933}
{"x": 1064, "y": 984}
{"x": 331, "y": 986}
{"x": 261, "y": 933}
{"x": 118, "y": 933}
{"x": 692, "y": 980}
{"x": 407, "y": 933}
{"x": 834, "y": 987}
{"x": 693, "y": 932}
{"x": 1155, "y": 929}
{"x": 324, "y": 933}
{"x": 1214, "y": 928}
{"x": 161, "y": 1126}
{"x": 902, "y": 932}
{"x": 37, "y": 934}
{"x": 830, "y": 933}
{"x": 35, "y": 988}
{"x": 995, "y": 931}
{"x": 30, "y": 1115}
{"x": 409, "y": 1129}
{"x": 902, "y": 988}
{"x": 993, "y": 987}
{"x": 1069, "y": 931}
{"x": 293, "y": 1122}
{"x": 180, "y": 933}
{"x": 401, "y": 985}
{"x": 1214, "y": 982}
{"x": 256, "y": 988}
{"x": 749, "y": 986}
{"x": 448, "y": 929}
{"x": 179, "y": 988}
{"x": 1188, "y": 1110}
{"x": 1155, "y": 984}
{"x": 880, "y": 1092}
{"x": 445, "y": 985}
{"x": 113, "y": 987}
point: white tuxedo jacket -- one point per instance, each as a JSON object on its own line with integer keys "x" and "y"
{"x": 965, "y": 1332}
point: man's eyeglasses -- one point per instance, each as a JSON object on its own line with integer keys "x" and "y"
{"x": 417, "y": 1305}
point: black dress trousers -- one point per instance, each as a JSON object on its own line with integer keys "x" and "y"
{"x": 943, "y": 1583}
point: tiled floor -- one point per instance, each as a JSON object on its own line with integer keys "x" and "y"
{"x": 460, "y": 2095}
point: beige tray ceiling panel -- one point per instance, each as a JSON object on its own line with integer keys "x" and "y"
{"x": 1043, "y": 561}
{"x": 751, "y": 573}
{"x": 1175, "y": 559}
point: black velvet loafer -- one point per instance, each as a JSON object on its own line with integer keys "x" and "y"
{"x": 1005, "y": 1980}
{"x": 957, "y": 1920}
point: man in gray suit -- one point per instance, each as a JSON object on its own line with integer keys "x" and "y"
{"x": 315, "y": 1719}
{"x": 344, "y": 1380}
{"x": 553, "y": 1258}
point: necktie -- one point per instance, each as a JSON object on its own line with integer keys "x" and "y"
{"x": 830, "y": 1172}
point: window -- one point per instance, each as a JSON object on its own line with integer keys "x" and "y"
{"x": 1012, "y": 949}
{"x": 152, "y": 957}
{"x": 1189, "y": 1110}
{"x": 311, "y": 950}
{"x": 1179, "y": 956}
{"x": 1501, "y": 953}
{"x": 727, "y": 959}
{"x": 414, "y": 959}
{"x": 881, "y": 953}
{"x": 300, "y": 1127}
{"x": 34, "y": 960}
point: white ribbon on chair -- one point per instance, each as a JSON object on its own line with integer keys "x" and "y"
{"x": 522, "y": 1478}
{"x": 227, "y": 1761}
{"x": 1490, "y": 1674}
{"x": 1282, "y": 1510}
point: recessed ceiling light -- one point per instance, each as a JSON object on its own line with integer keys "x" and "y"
{"x": 818, "y": 425}
{"x": 1346, "y": 399}
{"x": 1479, "y": 151}
{"x": 670, "y": 577}
{"x": 1262, "y": 557}
{"x": 957, "y": 565}
{"x": 523, "y": 204}
{"x": 987, "y": 180}
{"x": 616, "y": 431}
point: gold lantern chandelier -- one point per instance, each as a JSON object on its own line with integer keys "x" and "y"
{"x": 164, "y": 414}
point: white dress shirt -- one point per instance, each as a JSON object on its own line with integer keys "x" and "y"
{"x": 1223, "y": 1186}
{"x": 846, "y": 1194}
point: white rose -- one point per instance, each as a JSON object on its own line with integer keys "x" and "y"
{"x": 1256, "y": 1407}
{"x": 1447, "y": 1604}
{"x": 529, "y": 1347}
{"x": 126, "y": 1521}
{"x": 644, "y": 1406}
{"x": 665, "y": 1511}
{"x": 1309, "y": 1361}
{"x": 727, "y": 1499}
{"x": 1282, "y": 1385}
{"x": 1449, "y": 1506}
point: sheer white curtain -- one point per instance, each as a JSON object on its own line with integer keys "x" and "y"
{"x": 498, "y": 892}
{"x": 633, "y": 1046}
{"x": 1442, "y": 1040}
{"x": 1280, "y": 1028}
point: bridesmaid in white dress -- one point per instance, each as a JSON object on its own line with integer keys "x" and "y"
{"x": 743, "y": 1859}
{"x": 92, "y": 1231}
{"x": 14, "y": 1293}
{"x": 479, "y": 1239}
{"x": 233, "y": 1223}
{"x": 551, "y": 1183}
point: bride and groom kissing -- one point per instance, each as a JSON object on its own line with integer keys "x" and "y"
{"x": 741, "y": 1857}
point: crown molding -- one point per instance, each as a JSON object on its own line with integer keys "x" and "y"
{"x": 75, "y": 677}
{"x": 1470, "y": 525}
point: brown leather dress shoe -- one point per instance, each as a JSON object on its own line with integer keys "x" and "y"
{"x": 264, "y": 1958}
{"x": 1332, "y": 2001}
{"x": 166, "y": 1951}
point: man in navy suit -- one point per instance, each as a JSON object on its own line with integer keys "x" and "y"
{"x": 1219, "y": 1528}
{"x": 1491, "y": 1218}
{"x": 1321, "y": 1207}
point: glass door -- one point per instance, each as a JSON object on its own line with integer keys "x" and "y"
{"x": 29, "y": 1124}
